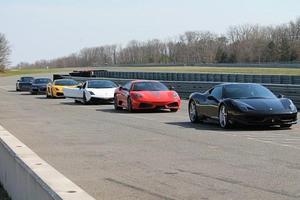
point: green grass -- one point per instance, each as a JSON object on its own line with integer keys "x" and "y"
{"x": 229, "y": 70}
{"x": 3, "y": 194}
{"x": 16, "y": 72}
{"x": 188, "y": 69}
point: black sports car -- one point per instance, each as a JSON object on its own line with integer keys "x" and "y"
{"x": 242, "y": 103}
{"x": 39, "y": 85}
{"x": 24, "y": 84}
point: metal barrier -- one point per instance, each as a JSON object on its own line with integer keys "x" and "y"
{"x": 185, "y": 88}
{"x": 169, "y": 76}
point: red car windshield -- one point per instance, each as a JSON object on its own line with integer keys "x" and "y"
{"x": 149, "y": 86}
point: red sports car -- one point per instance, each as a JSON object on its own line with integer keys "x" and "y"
{"x": 144, "y": 94}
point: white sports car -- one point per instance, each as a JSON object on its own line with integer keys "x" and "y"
{"x": 92, "y": 91}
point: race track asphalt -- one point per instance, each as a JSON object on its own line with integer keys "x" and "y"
{"x": 153, "y": 155}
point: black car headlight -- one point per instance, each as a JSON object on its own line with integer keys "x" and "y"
{"x": 292, "y": 106}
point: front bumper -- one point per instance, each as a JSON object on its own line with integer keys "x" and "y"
{"x": 145, "y": 105}
{"x": 39, "y": 90}
{"x": 263, "y": 119}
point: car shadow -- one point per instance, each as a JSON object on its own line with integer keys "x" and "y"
{"x": 124, "y": 111}
{"x": 215, "y": 127}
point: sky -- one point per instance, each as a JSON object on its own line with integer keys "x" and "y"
{"x": 47, "y": 29}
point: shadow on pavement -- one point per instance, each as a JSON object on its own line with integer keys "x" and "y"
{"x": 215, "y": 127}
{"x": 124, "y": 111}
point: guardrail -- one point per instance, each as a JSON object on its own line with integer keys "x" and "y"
{"x": 207, "y": 77}
{"x": 185, "y": 88}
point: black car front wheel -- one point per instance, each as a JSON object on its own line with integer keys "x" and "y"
{"x": 223, "y": 117}
{"x": 193, "y": 112}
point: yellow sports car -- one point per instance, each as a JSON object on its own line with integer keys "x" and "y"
{"x": 56, "y": 88}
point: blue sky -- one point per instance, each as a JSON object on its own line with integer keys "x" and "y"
{"x": 49, "y": 29}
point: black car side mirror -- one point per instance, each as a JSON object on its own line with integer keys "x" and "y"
{"x": 79, "y": 86}
{"x": 171, "y": 87}
{"x": 280, "y": 96}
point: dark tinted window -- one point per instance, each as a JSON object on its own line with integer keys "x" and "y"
{"x": 41, "y": 81}
{"x": 26, "y": 79}
{"x": 149, "y": 86}
{"x": 67, "y": 82}
{"x": 101, "y": 84}
{"x": 217, "y": 92}
{"x": 240, "y": 91}
{"x": 127, "y": 86}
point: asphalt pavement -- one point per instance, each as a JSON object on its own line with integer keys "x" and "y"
{"x": 153, "y": 155}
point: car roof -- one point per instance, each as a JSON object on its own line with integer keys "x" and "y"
{"x": 224, "y": 84}
{"x": 139, "y": 81}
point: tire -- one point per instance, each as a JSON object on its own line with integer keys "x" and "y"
{"x": 193, "y": 114}
{"x": 285, "y": 125}
{"x": 223, "y": 117}
{"x": 76, "y": 101}
{"x": 117, "y": 107}
{"x": 129, "y": 105}
{"x": 84, "y": 99}
{"x": 173, "y": 109}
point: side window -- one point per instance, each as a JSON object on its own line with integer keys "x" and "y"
{"x": 217, "y": 92}
{"x": 127, "y": 86}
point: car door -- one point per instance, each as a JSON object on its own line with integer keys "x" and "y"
{"x": 211, "y": 108}
{"x": 124, "y": 93}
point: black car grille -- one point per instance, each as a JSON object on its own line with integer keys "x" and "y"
{"x": 271, "y": 118}
{"x": 145, "y": 105}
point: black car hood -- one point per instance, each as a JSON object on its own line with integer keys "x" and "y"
{"x": 39, "y": 85}
{"x": 267, "y": 105}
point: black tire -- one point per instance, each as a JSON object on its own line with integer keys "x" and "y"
{"x": 129, "y": 105}
{"x": 76, "y": 101}
{"x": 117, "y": 107}
{"x": 285, "y": 125}
{"x": 223, "y": 117}
{"x": 84, "y": 99}
{"x": 193, "y": 114}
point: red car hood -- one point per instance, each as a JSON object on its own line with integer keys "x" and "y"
{"x": 155, "y": 96}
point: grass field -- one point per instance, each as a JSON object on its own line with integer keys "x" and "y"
{"x": 15, "y": 72}
{"x": 188, "y": 69}
{"x": 3, "y": 194}
{"x": 227, "y": 70}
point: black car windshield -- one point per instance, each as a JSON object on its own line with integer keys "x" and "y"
{"x": 247, "y": 91}
{"x": 41, "y": 81}
{"x": 149, "y": 86}
{"x": 65, "y": 82}
{"x": 26, "y": 79}
{"x": 101, "y": 84}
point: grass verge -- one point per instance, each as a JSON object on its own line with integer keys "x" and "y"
{"x": 16, "y": 72}
{"x": 186, "y": 69}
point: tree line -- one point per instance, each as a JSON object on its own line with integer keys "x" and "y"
{"x": 241, "y": 44}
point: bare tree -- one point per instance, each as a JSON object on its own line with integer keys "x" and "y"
{"x": 4, "y": 52}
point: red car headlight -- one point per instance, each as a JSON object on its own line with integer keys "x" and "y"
{"x": 175, "y": 95}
